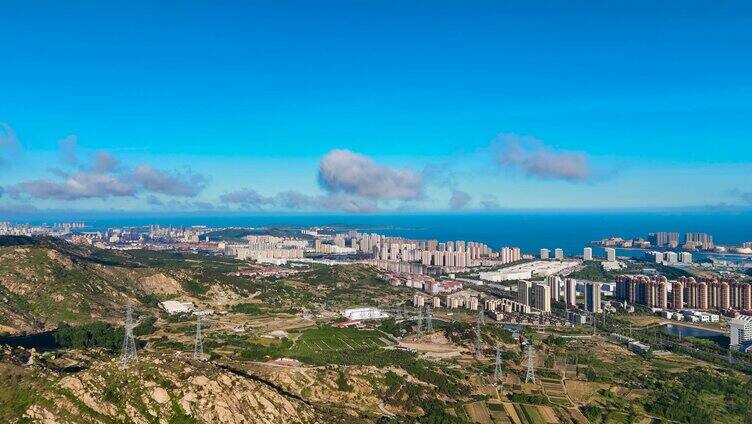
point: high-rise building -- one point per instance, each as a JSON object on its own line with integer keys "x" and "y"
{"x": 677, "y": 295}
{"x": 554, "y": 282}
{"x": 542, "y": 297}
{"x": 699, "y": 240}
{"x": 587, "y": 254}
{"x": 671, "y": 257}
{"x": 593, "y": 298}
{"x": 544, "y": 253}
{"x": 663, "y": 238}
{"x": 685, "y": 258}
{"x": 610, "y": 254}
{"x": 570, "y": 292}
{"x": 523, "y": 292}
{"x": 558, "y": 254}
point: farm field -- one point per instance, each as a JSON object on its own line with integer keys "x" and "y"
{"x": 322, "y": 340}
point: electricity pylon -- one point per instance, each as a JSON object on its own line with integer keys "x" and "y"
{"x": 129, "y": 343}
{"x": 498, "y": 371}
{"x": 478, "y": 339}
{"x": 481, "y": 319}
{"x": 198, "y": 345}
{"x": 420, "y": 321}
{"x": 429, "y": 319}
{"x": 530, "y": 375}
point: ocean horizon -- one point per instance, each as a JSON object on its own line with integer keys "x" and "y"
{"x": 530, "y": 231}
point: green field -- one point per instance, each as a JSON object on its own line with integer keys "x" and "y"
{"x": 323, "y": 340}
{"x": 532, "y": 414}
{"x": 322, "y": 345}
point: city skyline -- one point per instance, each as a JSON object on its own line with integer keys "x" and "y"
{"x": 357, "y": 108}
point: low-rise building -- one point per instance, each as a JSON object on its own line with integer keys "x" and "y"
{"x": 177, "y": 307}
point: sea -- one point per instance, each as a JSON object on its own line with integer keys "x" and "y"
{"x": 530, "y": 231}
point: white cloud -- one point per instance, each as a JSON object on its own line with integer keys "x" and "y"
{"x": 538, "y": 160}
{"x": 343, "y": 171}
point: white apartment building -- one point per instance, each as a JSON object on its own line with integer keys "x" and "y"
{"x": 741, "y": 330}
{"x": 610, "y": 254}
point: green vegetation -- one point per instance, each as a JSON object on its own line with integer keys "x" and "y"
{"x": 349, "y": 346}
{"x": 146, "y": 327}
{"x": 591, "y": 412}
{"x": 246, "y": 308}
{"x": 179, "y": 416}
{"x": 15, "y": 394}
{"x": 701, "y": 396}
{"x": 342, "y": 384}
{"x": 97, "y": 334}
{"x": 592, "y": 271}
{"x": 534, "y": 399}
{"x": 194, "y": 287}
{"x": 671, "y": 272}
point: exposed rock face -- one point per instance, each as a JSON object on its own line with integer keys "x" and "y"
{"x": 164, "y": 389}
{"x": 159, "y": 284}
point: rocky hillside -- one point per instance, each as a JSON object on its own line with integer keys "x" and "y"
{"x": 45, "y": 281}
{"x": 160, "y": 388}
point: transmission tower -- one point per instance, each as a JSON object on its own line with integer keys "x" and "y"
{"x": 478, "y": 339}
{"x": 429, "y": 319}
{"x": 530, "y": 375}
{"x": 398, "y": 314}
{"x": 498, "y": 372}
{"x": 129, "y": 343}
{"x": 481, "y": 318}
{"x": 198, "y": 346}
{"x": 420, "y": 321}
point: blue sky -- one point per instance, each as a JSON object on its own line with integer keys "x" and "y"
{"x": 443, "y": 105}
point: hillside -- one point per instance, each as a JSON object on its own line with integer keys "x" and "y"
{"x": 166, "y": 388}
{"x": 45, "y": 281}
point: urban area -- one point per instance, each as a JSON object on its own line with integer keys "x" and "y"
{"x": 333, "y": 324}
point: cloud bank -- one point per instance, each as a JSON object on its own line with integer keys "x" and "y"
{"x": 295, "y": 200}
{"x": 343, "y": 171}
{"x": 104, "y": 178}
{"x": 351, "y": 182}
{"x": 536, "y": 159}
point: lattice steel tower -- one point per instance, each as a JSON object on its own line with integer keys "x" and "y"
{"x": 498, "y": 371}
{"x": 478, "y": 339}
{"x": 129, "y": 343}
{"x": 429, "y": 319}
{"x": 420, "y": 320}
{"x": 198, "y": 345}
{"x": 481, "y": 317}
{"x": 530, "y": 375}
